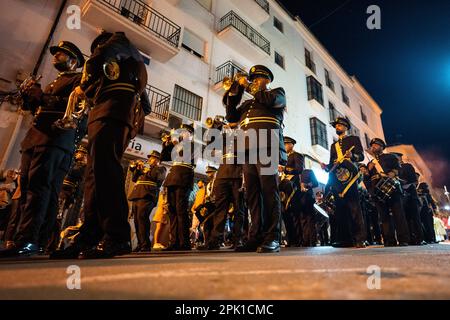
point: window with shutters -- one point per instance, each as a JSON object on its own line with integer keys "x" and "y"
{"x": 187, "y": 103}
{"x": 193, "y": 44}
{"x": 318, "y": 133}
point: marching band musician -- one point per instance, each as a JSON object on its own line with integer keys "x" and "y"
{"x": 148, "y": 178}
{"x": 346, "y": 233}
{"x": 411, "y": 201}
{"x": 381, "y": 166}
{"x": 227, "y": 190}
{"x": 179, "y": 183}
{"x": 292, "y": 171}
{"x": 46, "y": 150}
{"x": 115, "y": 76}
{"x": 265, "y": 112}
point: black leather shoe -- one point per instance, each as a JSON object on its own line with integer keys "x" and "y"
{"x": 210, "y": 246}
{"x": 341, "y": 245}
{"x": 105, "y": 250}
{"x": 403, "y": 244}
{"x": 250, "y": 246}
{"x": 27, "y": 249}
{"x": 360, "y": 245}
{"x": 269, "y": 247}
{"x": 71, "y": 252}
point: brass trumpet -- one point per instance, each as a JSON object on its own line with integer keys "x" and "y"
{"x": 16, "y": 97}
{"x": 167, "y": 136}
{"x": 215, "y": 122}
{"x": 77, "y": 107}
{"x": 140, "y": 165}
{"x": 227, "y": 81}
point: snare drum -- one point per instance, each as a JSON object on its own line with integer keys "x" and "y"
{"x": 385, "y": 188}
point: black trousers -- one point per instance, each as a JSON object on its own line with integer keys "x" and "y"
{"x": 426, "y": 216}
{"x": 178, "y": 199}
{"x": 397, "y": 223}
{"x": 411, "y": 204}
{"x": 141, "y": 209}
{"x": 307, "y": 220}
{"x": 347, "y": 223}
{"x": 263, "y": 200}
{"x": 43, "y": 170}
{"x": 226, "y": 192}
{"x": 105, "y": 202}
{"x": 13, "y": 221}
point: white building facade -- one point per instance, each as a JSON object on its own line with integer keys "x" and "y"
{"x": 190, "y": 46}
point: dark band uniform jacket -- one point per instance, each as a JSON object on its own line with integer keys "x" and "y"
{"x": 408, "y": 174}
{"x": 52, "y": 106}
{"x": 389, "y": 163}
{"x": 295, "y": 163}
{"x": 346, "y": 143}
{"x": 228, "y": 169}
{"x": 264, "y": 111}
{"x": 111, "y": 95}
{"x": 181, "y": 173}
{"x": 294, "y": 166}
{"x": 147, "y": 183}
{"x": 308, "y": 177}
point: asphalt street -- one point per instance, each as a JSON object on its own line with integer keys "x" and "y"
{"x": 295, "y": 273}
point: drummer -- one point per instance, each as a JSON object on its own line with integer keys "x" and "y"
{"x": 384, "y": 169}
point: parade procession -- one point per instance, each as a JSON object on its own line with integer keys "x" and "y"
{"x": 241, "y": 156}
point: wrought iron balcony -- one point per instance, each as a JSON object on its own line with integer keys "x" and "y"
{"x": 160, "y": 102}
{"x": 231, "y": 19}
{"x": 263, "y": 4}
{"x": 257, "y": 11}
{"x": 147, "y": 28}
{"x": 227, "y": 69}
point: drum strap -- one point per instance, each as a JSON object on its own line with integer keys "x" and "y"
{"x": 339, "y": 152}
{"x": 378, "y": 166}
{"x": 288, "y": 202}
{"x": 342, "y": 194}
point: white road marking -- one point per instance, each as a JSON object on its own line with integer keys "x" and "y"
{"x": 189, "y": 273}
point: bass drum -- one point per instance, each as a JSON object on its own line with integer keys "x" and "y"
{"x": 343, "y": 174}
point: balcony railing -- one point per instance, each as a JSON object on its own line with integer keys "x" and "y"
{"x": 231, "y": 19}
{"x": 263, "y": 4}
{"x": 160, "y": 102}
{"x": 227, "y": 69}
{"x": 147, "y": 18}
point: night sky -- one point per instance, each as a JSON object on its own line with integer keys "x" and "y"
{"x": 405, "y": 66}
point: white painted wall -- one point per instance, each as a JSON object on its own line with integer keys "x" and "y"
{"x": 197, "y": 75}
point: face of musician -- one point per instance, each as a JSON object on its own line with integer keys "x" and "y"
{"x": 210, "y": 175}
{"x": 319, "y": 196}
{"x": 261, "y": 82}
{"x": 289, "y": 147}
{"x": 376, "y": 148}
{"x": 63, "y": 62}
{"x": 153, "y": 161}
{"x": 340, "y": 129}
{"x": 363, "y": 170}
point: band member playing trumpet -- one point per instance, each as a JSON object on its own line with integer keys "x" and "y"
{"x": 290, "y": 174}
{"x": 115, "y": 77}
{"x": 263, "y": 114}
{"x": 46, "y": 151}
{"x": 148, "y": 178}
{"x": 179, "y": 183}
{"x": 382, "y": 166}
{"x": 227, "y": 190}
{"x": 347, "y": 225}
